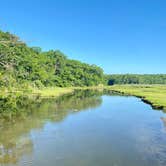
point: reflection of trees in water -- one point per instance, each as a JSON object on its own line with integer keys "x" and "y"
{"x": 10, "y": 151}
{"x": 20, "y": 115}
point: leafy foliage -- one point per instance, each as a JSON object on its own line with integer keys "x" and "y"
{"x": 20, "y": 64}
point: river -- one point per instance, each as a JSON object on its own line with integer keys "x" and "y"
{"x": 87, "y": 128}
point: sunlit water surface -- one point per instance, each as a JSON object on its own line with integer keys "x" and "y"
{"x": 85, "y": 129}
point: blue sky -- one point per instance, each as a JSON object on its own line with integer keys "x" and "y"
{"x": 121, "y": 36}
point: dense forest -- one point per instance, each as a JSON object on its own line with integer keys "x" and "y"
{"x": 21, "y": 65}
{"x": 136, "y": 79}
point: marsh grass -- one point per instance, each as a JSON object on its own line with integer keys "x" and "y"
{"x": 52, "y": 91}
{"x": 152, "y": 94}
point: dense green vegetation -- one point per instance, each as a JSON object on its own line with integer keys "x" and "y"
{"x": 23, "y": 66}
{"x": 136, "y": 79}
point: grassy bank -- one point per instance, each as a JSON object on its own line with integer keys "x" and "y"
{"x": 52, "y": 92}
{"x": 152, "y": 94}
{"x": 44, "y": 92}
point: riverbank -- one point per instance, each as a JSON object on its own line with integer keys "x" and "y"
{"x": 44, "y": 92}
{"x": 52, "y": 91}
{"x": 151, "y": 94}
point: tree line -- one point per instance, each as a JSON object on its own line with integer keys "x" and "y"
{"x": 136, "y": 79}
{"x": 23, "y": 65}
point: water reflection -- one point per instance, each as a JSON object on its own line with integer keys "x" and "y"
{"x": 21, "y": 114}
{"x": 10, "y": 151}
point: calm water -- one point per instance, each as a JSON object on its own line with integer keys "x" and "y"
{"x": 83, "y": 129}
